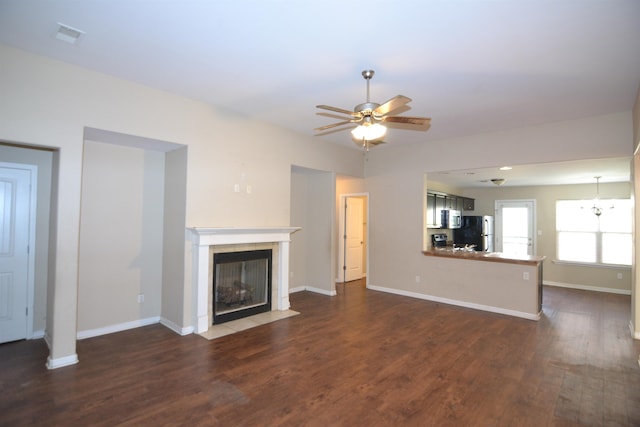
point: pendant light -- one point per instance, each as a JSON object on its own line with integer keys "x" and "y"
{"x": 597, "y": 208}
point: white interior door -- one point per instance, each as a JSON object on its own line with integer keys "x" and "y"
{"x": 15, "y": 212}
{"x": 514, "y": 227}
{"x": 353, "y": 238}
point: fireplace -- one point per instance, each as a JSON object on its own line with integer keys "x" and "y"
{"x": 241, "y": 284}
{"x": 231, "y": 239}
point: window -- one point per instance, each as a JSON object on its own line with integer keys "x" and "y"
{"x": 584, "y": 237}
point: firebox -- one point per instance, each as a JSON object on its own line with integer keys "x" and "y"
{"x": 241, "y": 284}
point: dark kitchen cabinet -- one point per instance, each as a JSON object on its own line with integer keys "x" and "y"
{"x": 436, "y": 202}
{"x": 468, "y": 204}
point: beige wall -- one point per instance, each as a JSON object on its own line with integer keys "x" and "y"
{"x": 51, "y": 103}
{"x": 121, "y": 235}
{"x": 395, "y": 182}
{"x": 313, "y": 251}
{"x": 174, "y": 271}
{"x": 300, "y": 244}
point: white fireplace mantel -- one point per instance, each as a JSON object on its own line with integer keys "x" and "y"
{"x": 205, "y": 237}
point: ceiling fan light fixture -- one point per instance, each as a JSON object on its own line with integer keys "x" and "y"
{"x": 369, "y": 132}
{"x": 368, "y": 114}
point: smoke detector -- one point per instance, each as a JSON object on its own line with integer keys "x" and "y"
{"x": 68, "y": 34}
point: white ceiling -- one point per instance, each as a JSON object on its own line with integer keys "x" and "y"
{"x": 575, "y": 172}
{"x": 473, "y": 66}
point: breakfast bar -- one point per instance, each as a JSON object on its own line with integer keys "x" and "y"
{"x": 490, "y": 281}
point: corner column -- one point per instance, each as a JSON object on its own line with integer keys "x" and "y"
{"x": 283, "y": 276}
{"x": 202, "y": 272}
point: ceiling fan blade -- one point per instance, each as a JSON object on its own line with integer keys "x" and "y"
{"x": 392, "y": 104}
{"x": 337, "y": 110}
{"x": 333, "y": 125}
{"x": 420, "y": 121}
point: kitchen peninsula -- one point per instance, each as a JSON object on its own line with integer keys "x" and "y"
{"x": 489, "y": 281}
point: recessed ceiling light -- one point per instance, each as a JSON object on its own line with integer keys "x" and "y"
{"x": 506, "y": 168}
{"x": 68, "y": 34}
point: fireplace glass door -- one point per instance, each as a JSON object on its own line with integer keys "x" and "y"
{"x": 241, "y": 284}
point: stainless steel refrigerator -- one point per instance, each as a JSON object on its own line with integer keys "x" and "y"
{"x": 475, "y": 230}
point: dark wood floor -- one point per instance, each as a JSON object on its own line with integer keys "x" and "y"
{"x": 363, "y": 358}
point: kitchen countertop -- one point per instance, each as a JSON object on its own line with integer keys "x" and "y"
{"x": 448, "y": 252}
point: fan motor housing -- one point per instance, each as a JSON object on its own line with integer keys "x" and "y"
{"x": 367, "y": 106}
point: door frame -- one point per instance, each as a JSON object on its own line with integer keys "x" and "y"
{"x": 497, "y": 223}
{"x": 33, "y": 199}
{"x": 340, "y": 277}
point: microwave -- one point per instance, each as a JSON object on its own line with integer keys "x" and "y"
{"x": 450, "y": 218}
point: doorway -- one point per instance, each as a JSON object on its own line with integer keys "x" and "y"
{"x": 514, "y": 227}
{"x": 353, "y": 232}
{"x": 17, "y": 234}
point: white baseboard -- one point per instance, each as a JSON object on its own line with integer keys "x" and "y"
{"x": 89, "y": 333}
{"x": 635, "y": 334}
{"x": 587, "y": 287}
{"x": 36, "y": 335}
{"x": 313, "y": 289}
{"x": 61, "y": 362}
{"x": 47, "y": 339}
{"x": 176, "y": 328}
{"x": 321, "y": 291}
{"x": 458, "y": 303}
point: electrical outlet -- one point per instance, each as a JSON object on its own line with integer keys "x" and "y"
{"x": 525, "y": 275}
{"x": 418, "y": 278}
{"x": 140, "y": 298}
{"x": 619, "y": 276}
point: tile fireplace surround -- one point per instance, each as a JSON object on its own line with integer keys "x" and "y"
{"x": 203, "y": 238}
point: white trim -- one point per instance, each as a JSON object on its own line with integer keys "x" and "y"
{"x": 458, "y": 303}
{"x": 38, "y": 335}
{"x": 587, "y": 287}
{"x": 592, "y": 264}
{"x": 634, "y": 334}
{"x": 175, "y": 327}
{"x": 61, "y": 362}
{"x": 331, "y": 293}
{"x": 47, "y": 340}
{"x": 212, "y": 236}
{"x": 90, "y": 333}
{"x": 205, "y": 237}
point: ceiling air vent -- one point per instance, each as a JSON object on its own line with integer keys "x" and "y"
{"x": 68, "y": 34}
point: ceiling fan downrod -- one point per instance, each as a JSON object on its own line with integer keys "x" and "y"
{"x": 368, "y": 75}
{"x": 367, "y": 107}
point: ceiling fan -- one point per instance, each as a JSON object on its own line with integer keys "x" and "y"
{"x": 369, "y": 115}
